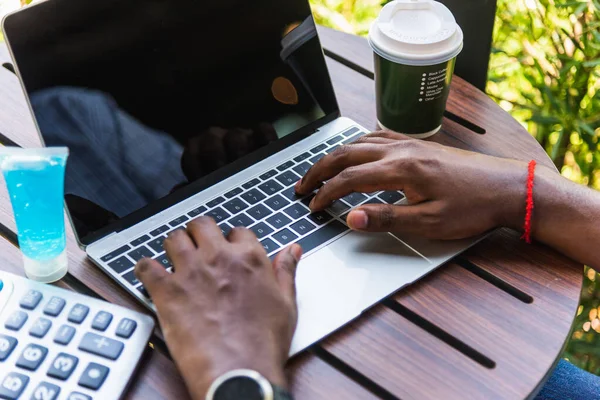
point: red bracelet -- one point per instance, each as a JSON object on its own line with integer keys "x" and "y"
{"x": 529, "y": 202}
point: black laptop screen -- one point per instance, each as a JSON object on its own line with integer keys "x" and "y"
{"x": 153, "y": 96}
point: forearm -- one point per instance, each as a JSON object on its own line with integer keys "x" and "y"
{"x": 566, "y": 217}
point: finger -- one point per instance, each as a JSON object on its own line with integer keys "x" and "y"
{"x": 285, "y": 264}
{"x": 177, "y": 244}
{"x": 206, "y": 234}
{"x": 386, "y": 218}
{"x": 332, "y": 164}
{"x": 152, "y": 276}
{"x": 240, "y": 234}
{"x": 364, "y": 178}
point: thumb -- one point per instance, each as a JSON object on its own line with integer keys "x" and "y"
{"x": 151, "y": 274}
{"x": 285, "y": 264}
{"x": 385, "y": 218}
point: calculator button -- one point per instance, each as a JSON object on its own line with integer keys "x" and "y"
{"x": 93, "y": 377}
{"x": 126, "y": 328}
{"x": 13, "y": 385}
{"x": 16, "y": 320}
{"x": 7, "y": 345}
{"x": 78, "y": 396}
{"x": 64, "y": 335}
{"x": 32, "y": 356}
{"x": 31, "y": 300}
{"x": 102, "y": 320}
{"x": 54, "y": 306}
{"x": 45, "y": 391}
{"x": 63, "y": 366}
{"x": 40, "y": 327}
{"x": 78, "y": 313}
{"x": 101, "y": 346}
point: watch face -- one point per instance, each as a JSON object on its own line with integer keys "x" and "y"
{"x": 240, "y": 387}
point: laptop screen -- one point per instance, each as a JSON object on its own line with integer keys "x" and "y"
{"x": 156, "y": 99}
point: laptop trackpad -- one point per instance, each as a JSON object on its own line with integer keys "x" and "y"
{"x": 335, "y": 284}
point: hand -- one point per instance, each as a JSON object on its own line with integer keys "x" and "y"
{"x": 451, "y": 193}
{"x": 226, "y": 306}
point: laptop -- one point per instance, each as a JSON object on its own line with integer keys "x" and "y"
{"x": 173, "y": 110}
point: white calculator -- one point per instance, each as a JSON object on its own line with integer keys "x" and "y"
{"x": 60, "y": 345}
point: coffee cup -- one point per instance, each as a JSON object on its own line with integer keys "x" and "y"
{"x": 415, "y": 45}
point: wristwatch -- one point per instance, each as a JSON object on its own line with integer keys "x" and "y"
{"x": 245, "y": 384}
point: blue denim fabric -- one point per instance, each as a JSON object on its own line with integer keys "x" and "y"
{"x": 568, "y": 382}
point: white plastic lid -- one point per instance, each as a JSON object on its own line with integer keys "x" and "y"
{"x": 46, "y": 271}
{"x": 416, "y": 32}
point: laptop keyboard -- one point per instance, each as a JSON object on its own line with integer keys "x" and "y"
{"x": 267, "y": 205}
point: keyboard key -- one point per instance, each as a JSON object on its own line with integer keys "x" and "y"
{"x": 140, "y": 240}
{"x": 63, "y": 366}
{"x": 302, "y": 227}
{"x": 302, "y": 169}
{"x": 332, "y": 149}
{"x": 178, "y": 221}
{"x": 261, "y": 230}
{"x": 54, "y": 306}
{"x": 276, "y": 202}
{"x": 259, "y": 212}
{"x": 225, "y": 228}
{"x": 7, "y": 345}
{"x": 78, "y": 313}
{"x": 390, "y": 196}
{"x": 306, "y": 201}
{"x": 285, "y": 166}
{"x": 296, "y": 211}
{"x": 101, "y": 346}
{"x": 121, "y": 264}
{"x": 131, "y": 278}
{"x": 287, "y": 178}
{"x": 233, "y": 192}
{"x": 334, "y": 140}
{"x": 197, "y": 211}
{"x": 253, "y": 196}
{"x": 285, "y": 236}
{"x": 215, "y": 202}
{"x": 13, "y": 385}
{"x": 45, "y": 391}
{"x": 290, "y": 194}
{"x": 270, "y": 187}
{"x": 40, "y": 327}
{"x": 241, "y": 220}
{"x": 115, "y": 253}
{"x": 64, "y": 335}
{"x": 159, "y": 230}
{"x": 157, "y": 244}
{"x": 322, "y": 235}
{"x": 93, "y": 377}
{"x": 164, "y": 261}
{"x": 143, "y": 291}
{"x": 354, "y": 199}
{"x": 302, "y": 157}
{"x": 126, "y": 328}
{"x": 16, "y": 320}
{"x": 269, "y": 245}
{"x": 338, "y": 207}
{"x": 320, "y": 217}
{"x": 319, "y": 148}
{"x": 373, "y": 201}
{"x": 218, "y": 214}
{"x": 78, "y": 396}
{"x": 31, "y": 299}
{"x": 140, "y": 253}
{"x": 102, "y": 320}
{"x": 352, "y": 139}
{"x": 251, "y": 183}
{"x": 268, "y": 175}
{"x": 316, "y": 158}
{"x": 350, "y": 132}
{"x": 278, "y": 221}
{"x": 32, "y": 356}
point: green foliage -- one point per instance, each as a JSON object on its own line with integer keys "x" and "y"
{"x": 544, "y": 70}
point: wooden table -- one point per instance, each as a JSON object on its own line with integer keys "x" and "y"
{"x": 488, "y": 325}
